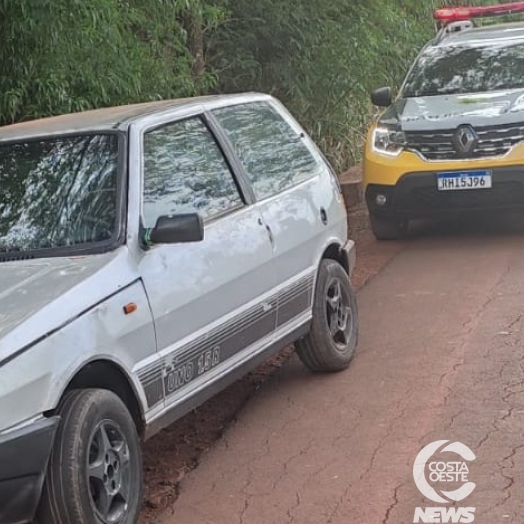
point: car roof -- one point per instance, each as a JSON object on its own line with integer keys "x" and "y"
{"x": 118, "y": 117}
{"x": 498, "y": 34}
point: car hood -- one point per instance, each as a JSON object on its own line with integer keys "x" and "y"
{"x": 38, "y": 296}
{"x": 450, "y": 111}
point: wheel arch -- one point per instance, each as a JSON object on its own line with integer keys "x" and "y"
{"x": 106, "y": 374}
{"x": 335, "y": 252}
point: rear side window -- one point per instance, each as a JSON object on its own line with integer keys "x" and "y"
{"x": 273, "y": 154}
{"x": 186, "y": 172}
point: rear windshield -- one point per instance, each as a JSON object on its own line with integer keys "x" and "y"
{"x": 459, "y": 70}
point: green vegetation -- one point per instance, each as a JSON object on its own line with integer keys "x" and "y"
{"x": 320, "y": 58}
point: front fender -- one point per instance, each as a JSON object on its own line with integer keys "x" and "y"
{"x": 34, "y": 381}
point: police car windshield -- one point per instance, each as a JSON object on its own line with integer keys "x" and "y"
{"x": 466, "y": 69}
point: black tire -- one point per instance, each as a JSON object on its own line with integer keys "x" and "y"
{"x": 387, "y": 229}
{"x": 329, "y": 347}
{"x": 96, "y": 458}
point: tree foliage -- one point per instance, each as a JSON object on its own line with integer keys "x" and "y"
{"x": 61, "y": 56}
{"x": 320, "y": 58}
{"x": 323, "y": 58}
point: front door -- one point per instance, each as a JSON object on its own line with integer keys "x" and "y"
{"x": 211, "y": 299}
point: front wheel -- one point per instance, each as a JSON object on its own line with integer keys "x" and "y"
{"x": 332, "y": 340}
{"x": 95, "y": 469}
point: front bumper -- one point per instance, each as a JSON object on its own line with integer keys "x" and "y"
{"x": 415, "y": 195}
{"x": 24, "y": 455}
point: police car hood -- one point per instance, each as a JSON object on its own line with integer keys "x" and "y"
{"x": 450, "y": 111}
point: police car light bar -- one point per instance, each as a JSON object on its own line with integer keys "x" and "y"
{"x": 447, "y": 15}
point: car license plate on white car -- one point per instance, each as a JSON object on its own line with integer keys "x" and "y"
{"x": 464, "y": 180}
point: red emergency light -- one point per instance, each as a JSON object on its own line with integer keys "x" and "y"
{"x": 447, "y": 15}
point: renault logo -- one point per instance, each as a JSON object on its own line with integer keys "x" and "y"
{"x": 465, "y": 140}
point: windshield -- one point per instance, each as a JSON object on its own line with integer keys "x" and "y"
{"x": 58, "y": 192}
{"x": 460, "y": 70}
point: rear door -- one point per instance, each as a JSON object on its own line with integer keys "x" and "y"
{"x": 295, "y": 194}
{"x": 211, "y": 300}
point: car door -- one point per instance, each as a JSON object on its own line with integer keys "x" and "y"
{"x": 294, "y": 192}
{"x": 211, "y": 300}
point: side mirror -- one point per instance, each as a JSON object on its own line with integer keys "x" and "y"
{"x": 176, "y": 229}
{"x": 382, "y": 97}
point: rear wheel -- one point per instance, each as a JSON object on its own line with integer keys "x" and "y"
{"x": 387, "y": 229}
{"x": 331, "y": 342}
{"x": 95, "y": 469}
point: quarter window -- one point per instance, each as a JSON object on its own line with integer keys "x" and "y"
{"x": 186, "y": 172}
{"x": 272, "y": 152}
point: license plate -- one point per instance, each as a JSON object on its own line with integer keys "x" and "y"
{"x": 464, "y": 180}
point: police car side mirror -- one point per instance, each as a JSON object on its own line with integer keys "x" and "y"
{"x": 382, "y": 97}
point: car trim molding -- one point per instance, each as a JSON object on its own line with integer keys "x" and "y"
{"x": 228, "y": 338}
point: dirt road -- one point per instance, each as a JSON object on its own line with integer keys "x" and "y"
{"x": 440, "y": 358}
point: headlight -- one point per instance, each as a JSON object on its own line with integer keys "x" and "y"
{"x": 388, "y": 141}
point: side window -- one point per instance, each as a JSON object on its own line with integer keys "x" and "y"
{"x": 185, "y": 172}
{"x": 273, "y": 154}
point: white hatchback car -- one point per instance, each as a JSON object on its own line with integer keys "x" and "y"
{"x": 150, "y": 255}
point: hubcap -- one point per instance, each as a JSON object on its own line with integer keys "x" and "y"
{"x": 108, "y": 472}
{"x": 340, "y": 321}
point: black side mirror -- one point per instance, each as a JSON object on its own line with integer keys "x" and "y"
{"x": 176, "y": 229}
{"x": 382, "y": 97}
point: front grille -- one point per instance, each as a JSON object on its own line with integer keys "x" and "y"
{"x": 493, "y": 141}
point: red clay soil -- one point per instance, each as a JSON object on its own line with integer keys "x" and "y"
{"x": 176, "y": 450}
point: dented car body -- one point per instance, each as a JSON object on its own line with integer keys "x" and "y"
{"x": 147, "y": 253}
